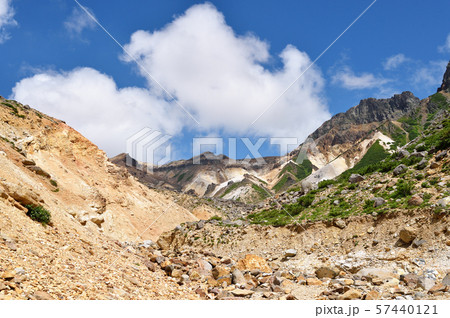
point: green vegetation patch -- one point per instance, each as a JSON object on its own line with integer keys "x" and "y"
{"x": 39, "y": 214}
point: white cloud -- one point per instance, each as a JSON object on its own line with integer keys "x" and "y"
{"x": 395, "y": 61}
{"x": 346, "y": 78}
{"x": 429, "y": 76}
{"x": 78, "y": 21}
{"x": 214, "y": 73}
{"x": 6, "y": 19}
{"x": 219, "y": 77}
{"x": 90, "y": 102}
{"x": 446, "y": 47}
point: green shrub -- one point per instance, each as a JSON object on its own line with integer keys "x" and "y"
{"x": 306, "y": 200}
{"x": 420, "y": 177}
{"x": 53, "y": 183}
{"x": 326, "y": 183}
{"x": 425, "y": 184}
{"x": 38, "y": 213}
{"x": 404, "y": 188}
{"x": 352, "y": 186}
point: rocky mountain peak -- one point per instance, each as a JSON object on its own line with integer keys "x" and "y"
{"x": 446, "y": 80}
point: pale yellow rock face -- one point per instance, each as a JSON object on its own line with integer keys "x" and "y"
{"x": 91, "y": 194}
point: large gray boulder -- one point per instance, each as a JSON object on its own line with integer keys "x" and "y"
{"x": 400, "y": 169}
{"x": 355, "y": 178}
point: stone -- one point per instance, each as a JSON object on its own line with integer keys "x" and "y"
{"x": 355, "y": 178}
{"x": 220, "y": 271}
{"x": 372, "y": 295}
{"x": 438, "y": 287}
{"x": 402, "y": 153}
{"x": 132, "y": 280}
{"x": 370, "y": 230}
{"x": 313, "y": 282}
{"x": 400, "y": 169}
{"x": 441, "y": 155}
{"x": 238, "y": 277}
{"x": 422, "y": 164}
{"x": 415, "y": 200}
{"x": 434, "y": 165}
{"x": 444, "y": 202}
{"x": 150, "y": 266}
{"x": 3, "y": 286}
{"x": 350, "y": 294}
{"x": 253, "y": 262}
{"x": 39, "y": 171}
{"x": 418, "y": 242}
{"x": 377, "y": 201}
{"x": 176, "y": 273}
{"x": 28, "y": 162}
{"x": 372, "y": 273}
{"x": 407, "y": 234}
{"x": 326, "y": 272}
{"x": 410, "y": 279}
{"x": 425, "y": 283}
{"x": 204, "y": 265}
{"x": 42, "y": 295}
{"x": 224, "y": 279}
{"x": 242, "y": 292}
{"x": 8, "y": 275}
{"x": 446, "y": 280}
{"x": 200, "y": 225}
{"x": 290, "y": 253}
{"x": 340, "y": 223}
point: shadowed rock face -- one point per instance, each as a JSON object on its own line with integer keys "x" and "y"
{"x": 368, "y": 111}
{"x": 446, "y": 80}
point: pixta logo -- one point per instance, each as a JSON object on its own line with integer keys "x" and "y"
{"x": 148, "y": 148}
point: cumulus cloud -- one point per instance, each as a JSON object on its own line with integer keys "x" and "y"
{"x": 346, "y": 78}
{"x": 220, "y": 77}
{"x": 78, "y": 21}
{"x": 395, "y": 61}
{"x": 91, "y": 102}
{"x": 6, "y": 19}
{"x": 446, "y": 46}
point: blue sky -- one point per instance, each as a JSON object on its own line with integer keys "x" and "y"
{"x": 51, "y": 50}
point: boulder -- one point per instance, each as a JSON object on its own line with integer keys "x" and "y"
{"x": 355, "y": 178}
{"x": 39, "y": 171}
{"x": 238, "y": 277}
{"x": 407, "y": 234}
{"x": 400, "y": 169}
{"x": 242, "y": 292}
{"x": 372, "y": 273}
{"x": 377, "y": 201}
{"x": 446, "y": 280}
{"x": 372, "y": 295}
{"x": 326, "y": 272}
{"x": 290, "y": 253}
{"x": 340, "y": 223}
{"x": 434, "y": 165}
{"x": 28, "y": 162}
{"x": 350, "y": 295}
{"x": 415, "y": 200}
{"x": 41, "y": 295}
{"x": 313, "y": 281}
{"x": 402, "y": 153}
{"x": 444, "y": 202}
{"x": 253, "y": 262}
{"x": 220, "y": 271}
{"x": 425, "y": 283}
{"x": 422, "y": 164}
{"x": 441, "y": 155}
